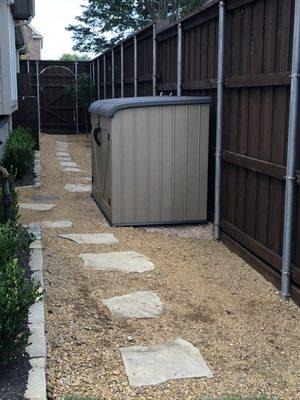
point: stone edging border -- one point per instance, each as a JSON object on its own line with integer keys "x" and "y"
{"x": 37, "y": 351}
{"x": 37, "y": 169}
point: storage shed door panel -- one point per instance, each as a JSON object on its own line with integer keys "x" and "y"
{"x": 159, "y": 163}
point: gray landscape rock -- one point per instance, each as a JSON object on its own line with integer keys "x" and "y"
{"x": 152, "y": 365}
{"x": 72, "y": 187}
{"x": 135, "y": 305}
{"x": 56, "y": 224}
{"x": 37, "y": 206}
{"x": 123, "y": 261}
{"x": 94, "y": 238}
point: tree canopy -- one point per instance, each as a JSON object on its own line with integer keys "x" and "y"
{"x": 74, "y": 57}
{"x": 104, "y": 22}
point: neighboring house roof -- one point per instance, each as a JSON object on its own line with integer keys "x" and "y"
{"x": 35, "y": 33}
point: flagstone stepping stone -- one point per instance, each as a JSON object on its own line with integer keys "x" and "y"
{"x": 72, "y": 187}
{"x": 135, "y": 305}
{"x": 56, "y": 224}
{"x": 89, "y": 238}
{"x": 64, "y": 159}
{"x": 72, "y": 169}
{"x": 39, "y": 197}
{"x": 152, "y": 365}
{"x": 122, "y": 261}
{"x": 37, "y": 206}
{"x": 62, "y": 154}
{"x": 84, "y": 178}
{"x": 68, "y": 164}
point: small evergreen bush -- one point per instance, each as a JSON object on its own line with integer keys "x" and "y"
{"x": 14, "y": 201}
{"x": 19, "y": 151}
{"x": 14, "y": 243}
{"x": 17, "y": 294}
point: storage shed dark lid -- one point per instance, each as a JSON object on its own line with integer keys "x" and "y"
{"x": 108, "y": 108}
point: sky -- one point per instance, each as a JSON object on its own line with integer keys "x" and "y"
{"x": 51, "y": 18}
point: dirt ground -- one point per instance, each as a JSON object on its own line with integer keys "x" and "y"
{"x": 212, "y": 298}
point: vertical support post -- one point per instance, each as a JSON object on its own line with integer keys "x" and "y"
{"x": 104, "y": 75}
{"x": 219, "y": 128}
{"x": 28, "y": 67}
{"x": 154, "y": 63}
{"x": 122, "y": 70}
{"x": 76, "y": 99}
{"x": 291, "y": 160}
{"x": 179, "y": 60}
{"x": 37, "y": 70}
{"x": 113, "y": 73}
{"x": 135, "y": 67}
{"x": 98, "y": 79}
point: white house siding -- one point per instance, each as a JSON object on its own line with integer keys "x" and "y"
{"x": 8, "y": 61}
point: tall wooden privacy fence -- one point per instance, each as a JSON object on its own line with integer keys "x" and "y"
{"x": 182, "y": 59}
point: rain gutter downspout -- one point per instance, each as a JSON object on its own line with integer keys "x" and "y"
{"x": 219, "y": 128}
{"x": 291, "y": 160}
{"x": 6, "y": 201}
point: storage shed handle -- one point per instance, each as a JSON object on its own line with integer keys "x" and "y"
{"x": 96, "y": 132}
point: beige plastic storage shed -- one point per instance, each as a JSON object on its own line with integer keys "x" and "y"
{"x": 150, "y": 159}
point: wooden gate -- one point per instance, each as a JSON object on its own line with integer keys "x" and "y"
{"x": 58, "y": 108}
{"x": 58, "y": 112}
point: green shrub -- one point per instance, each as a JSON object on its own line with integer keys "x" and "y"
{"x": 19, "y": 151}
{"x": 14, "y": 197}
{"x": 17, "y": 294}
{"x": 14, "y": 243}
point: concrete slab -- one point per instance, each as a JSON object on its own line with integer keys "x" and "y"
{"x": 37, "y": 341}
{"x": 72, "y": 187}
{"x": 36, "y": 313}
{"x": 36, "y": 260}
{"x": 56, "y": 224}
{"x": 72, "y": 169}
{"x": 152, "y": 365}
{"x": 135, "y": 305}
{"x": 36, "y": 386}
{"x": 96, "y": 238}
{"x": 37, "y": 206}
{"x": 123, "y": 261}
{"x": 68, "y": 164}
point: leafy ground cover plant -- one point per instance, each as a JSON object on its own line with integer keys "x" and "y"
{"x": 19, "y": 151}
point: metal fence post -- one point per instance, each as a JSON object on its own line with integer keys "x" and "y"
{"x": 37, "y": 69}
{"x": 154, "y": 64}
{"x": 291, "y": 160}
{"x": 98, "y": 79}
{"x": 28, "y": 67}
{"x": 219, "y": 128}
{"x": 76, "y": 100}
{"x": 135, "y": 67}
{"x": 122, "y": 69}
{"x": 113, "y": 73}
{"x": 104, "y": 75}
{"x": 179, "y": 60}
